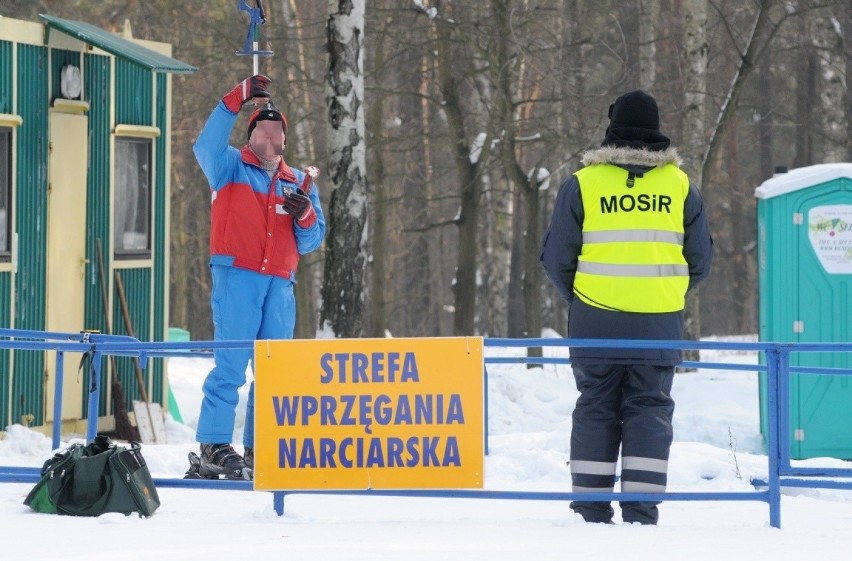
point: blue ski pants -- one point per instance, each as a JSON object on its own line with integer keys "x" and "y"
{"x": 246, "y": 306}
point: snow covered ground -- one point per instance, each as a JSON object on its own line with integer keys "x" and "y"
{"x": 717, "y": 447}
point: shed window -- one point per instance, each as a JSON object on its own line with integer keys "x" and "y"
{"x": 5, "y": 193}
{"x": 132, "y": 237}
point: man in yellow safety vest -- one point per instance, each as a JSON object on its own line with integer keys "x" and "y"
{"x": 628, "y": 239}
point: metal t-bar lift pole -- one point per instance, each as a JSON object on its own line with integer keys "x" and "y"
{"x": 250, "y": 47}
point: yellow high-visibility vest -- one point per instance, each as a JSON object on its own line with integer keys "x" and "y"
{"x": 632, "y": 255}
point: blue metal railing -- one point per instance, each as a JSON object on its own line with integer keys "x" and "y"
{"x": 82, "y": 342}
{"x": 777, "y": 366}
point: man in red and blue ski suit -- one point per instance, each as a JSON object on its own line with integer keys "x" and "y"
{"x": 264, "y": 215}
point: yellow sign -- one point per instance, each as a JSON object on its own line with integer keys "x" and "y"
{"x": 369, "y": 414}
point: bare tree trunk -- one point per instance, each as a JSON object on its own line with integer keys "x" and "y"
{"x": 532, "y": 268}
{"x": 434, "y": 253}
{"x": 670, "y": 79}
{"x": 806, "y": 100}
{"x": 343, "y": 291}
{"x": 528, "y": 186}
{"x": 629, "y": 18}
{"x": 378, "y": 277}
{"x": 469, "y": 169}
{"x": 496, "y": 240}
{"x": 740, "y": 265}
{"x": 647, "y": 44}
{"x": 515, "y": 317}
{"x": 306, "y": 145}
{"x": 764, "y": 125}
{"x": 694, "y": 117}
{"x": 846, "y": 34}
{"x": 695, "y": 87}
{"x": 829, "y": 44}
{"x": 570, "y": 120}
{"x": 301, "y": 137}
{"x": 412, "y": 271}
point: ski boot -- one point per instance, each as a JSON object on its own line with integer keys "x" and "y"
{"x": 217, "y": 461}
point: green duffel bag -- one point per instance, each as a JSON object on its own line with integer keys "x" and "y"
{"x": 93, "y": 479}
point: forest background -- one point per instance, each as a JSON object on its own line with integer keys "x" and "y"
{"x": 473, "y": 114}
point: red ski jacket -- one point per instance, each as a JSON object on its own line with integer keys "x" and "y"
{"x": 249, "y": 227}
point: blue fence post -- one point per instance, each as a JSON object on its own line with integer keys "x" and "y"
{"x": 278, "y": 502}
{"x": 774, "y": 430}
{"x": 57, "y": 399}
{"x": 94, "y": 392}
{"x": 784, "y": 443}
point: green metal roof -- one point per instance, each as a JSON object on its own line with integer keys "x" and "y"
{"x": 118, "y": 46}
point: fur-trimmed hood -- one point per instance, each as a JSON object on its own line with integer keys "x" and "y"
{"x": 631, "y": 157}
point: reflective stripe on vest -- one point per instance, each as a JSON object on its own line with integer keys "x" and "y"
{"x": 633, "y": 236}
{"x": 632, "y": 255}
{"x": 618, "y": 270}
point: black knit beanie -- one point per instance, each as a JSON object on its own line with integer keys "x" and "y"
{"x": 266, "y": 113}
{"x": 634, "y": 122}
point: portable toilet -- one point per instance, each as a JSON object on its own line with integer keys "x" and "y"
{"x": 804, "y": 221}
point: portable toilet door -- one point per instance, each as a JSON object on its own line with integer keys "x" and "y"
{"x": 805, "y": 272}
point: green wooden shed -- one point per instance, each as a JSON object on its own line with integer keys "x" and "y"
{"x": 804, "y": 220}
{"x": 84, "y": 164}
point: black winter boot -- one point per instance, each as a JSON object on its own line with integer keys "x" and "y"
{"x": 248, "y": 456}
{"x": 221, "y": 459}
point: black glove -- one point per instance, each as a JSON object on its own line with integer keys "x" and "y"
{"x": 250, "y": 88}
{"x": 298, "y": 204}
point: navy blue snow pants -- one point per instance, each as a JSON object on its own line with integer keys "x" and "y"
{"x": 628, "y": 406}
